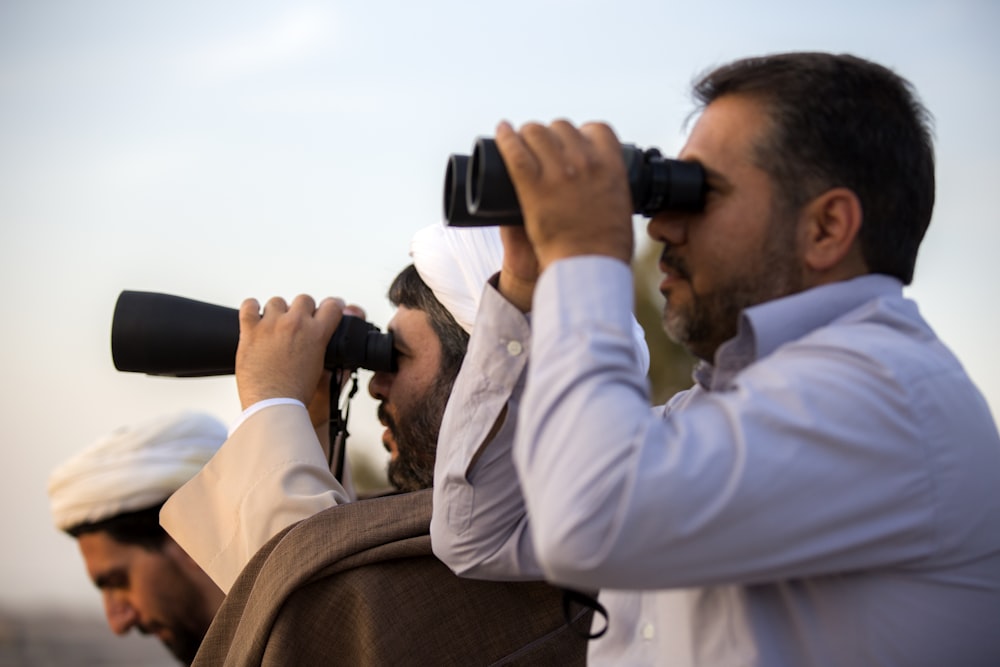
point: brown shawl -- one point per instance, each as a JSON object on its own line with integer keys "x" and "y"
{"x": 357, "y": 584}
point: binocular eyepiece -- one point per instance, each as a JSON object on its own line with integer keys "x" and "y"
{"x": 162, "y": 334}
{"x": 478, "y": 191}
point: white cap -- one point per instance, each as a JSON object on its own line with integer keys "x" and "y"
{"x": 132, "y": 468}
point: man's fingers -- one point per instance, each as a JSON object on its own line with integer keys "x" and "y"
{"x": 275, "y": 306}
{"x": 517, "y": 157}
{"x": 301, "y": 312}
{"x": 355, "y": 310}
{"x": 545, "y": 144}
{"x": 250, "y": 307}
{"x": 600, "y": 134}
{"x": 575, "y": 154}
{"x": 303, "y": 303}
{"x": 249, "y": 313}
{"x": 602, "y": 139}
{"x": 538, "y": 154}
{"x": 329, "y": 312}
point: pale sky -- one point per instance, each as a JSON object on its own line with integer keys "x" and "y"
{"x": 221, "y": 150}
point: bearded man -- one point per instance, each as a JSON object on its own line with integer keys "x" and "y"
{"x": 314, "y": 576}
{"x": 108, "y": 497}
{"x": 825, "y": 494}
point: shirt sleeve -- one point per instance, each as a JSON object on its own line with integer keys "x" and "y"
{"x": 269, "y": 474}
{"x": 804, "y": 466}
{"x": 479, "y": 526}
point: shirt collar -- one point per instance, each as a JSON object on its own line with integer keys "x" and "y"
{"x": 765, "y": 327}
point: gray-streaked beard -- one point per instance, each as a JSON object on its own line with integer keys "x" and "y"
{"x": 712, "y": 319}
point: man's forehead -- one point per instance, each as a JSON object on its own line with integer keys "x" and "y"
{"x": 409, "y": 324}
{"x": 102, "y": 553}
{"x": 727, "y": 132}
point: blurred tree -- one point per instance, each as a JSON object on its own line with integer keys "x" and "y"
{"x": 670, "y": 365}
{"x": 368, "y": 474}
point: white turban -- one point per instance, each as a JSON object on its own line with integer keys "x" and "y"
{"x": 132, "y": 468}
{"x": 456, "y": 262}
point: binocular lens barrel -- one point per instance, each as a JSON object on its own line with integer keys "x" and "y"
{"x": 458, "y": 186}
{"x": 478, "y": 191}
{"x": 162, "y": 334}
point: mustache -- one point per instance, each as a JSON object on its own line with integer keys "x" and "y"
{"x": 673, "y": 264}
{"x": 385, "y": 417}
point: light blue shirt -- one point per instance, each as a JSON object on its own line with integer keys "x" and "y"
{"x": 827, "y": 494}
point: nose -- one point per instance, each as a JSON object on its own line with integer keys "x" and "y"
{"x": 121, "y": 615}
{"x": 378, "y": 386}
{"x": 669, "y": 228}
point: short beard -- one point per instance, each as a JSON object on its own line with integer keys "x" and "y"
{"x": 185, "y": 647}
{"x": 189, "y": 627}
{"x": 416, "y": 437}
{"x": 713, "y": 318}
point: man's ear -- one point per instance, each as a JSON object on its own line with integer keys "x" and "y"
{"x": 831, "y": 224}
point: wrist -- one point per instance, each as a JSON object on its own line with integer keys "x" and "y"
{"x": 517, "y": 291}
{"x": 547, "y": 256}
{"x": 267, "y": 395}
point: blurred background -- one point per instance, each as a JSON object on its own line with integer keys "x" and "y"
{"x": 220, "y": 150}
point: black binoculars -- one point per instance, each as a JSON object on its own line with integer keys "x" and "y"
{"x": 478, "y": 191}
{"x": 162, "y": 334}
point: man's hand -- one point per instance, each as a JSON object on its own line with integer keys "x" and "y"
{"x": 280, "y": 353}
{"x": 572, "y": 187}
{"x": 520, "y": 268}
{"x": 319, "y": 404}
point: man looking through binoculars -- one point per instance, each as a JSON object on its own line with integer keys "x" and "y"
{"x": 272, "y": 471}
{"x": 311, "y": 574}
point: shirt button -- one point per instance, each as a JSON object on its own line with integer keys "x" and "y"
{"x": 514, "y": 348}
{"x": 648, "y": 631}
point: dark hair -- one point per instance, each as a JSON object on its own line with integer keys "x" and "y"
{"x": 141, "y": 527}
{"x": 408, "y": 289}
{"x": 841, "y": 121}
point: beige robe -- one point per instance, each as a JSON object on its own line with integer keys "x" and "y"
{"x": 269, "y": 474}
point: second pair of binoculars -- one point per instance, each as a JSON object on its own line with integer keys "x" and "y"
{"x": 478, "y": 191}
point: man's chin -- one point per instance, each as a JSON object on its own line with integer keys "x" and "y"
{"x": 393, "y": 473}
{"x": 403, "y": 477}
{"x": 676, "y": 326}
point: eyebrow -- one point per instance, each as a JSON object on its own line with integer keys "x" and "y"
{"x": 710, "y": 173}
{"x": 110, "y": 579}
{"x": 397, "y": 340}
{"x": 714, "y": 177}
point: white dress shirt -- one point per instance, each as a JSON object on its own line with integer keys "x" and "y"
{"x": 827, "y": 493}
